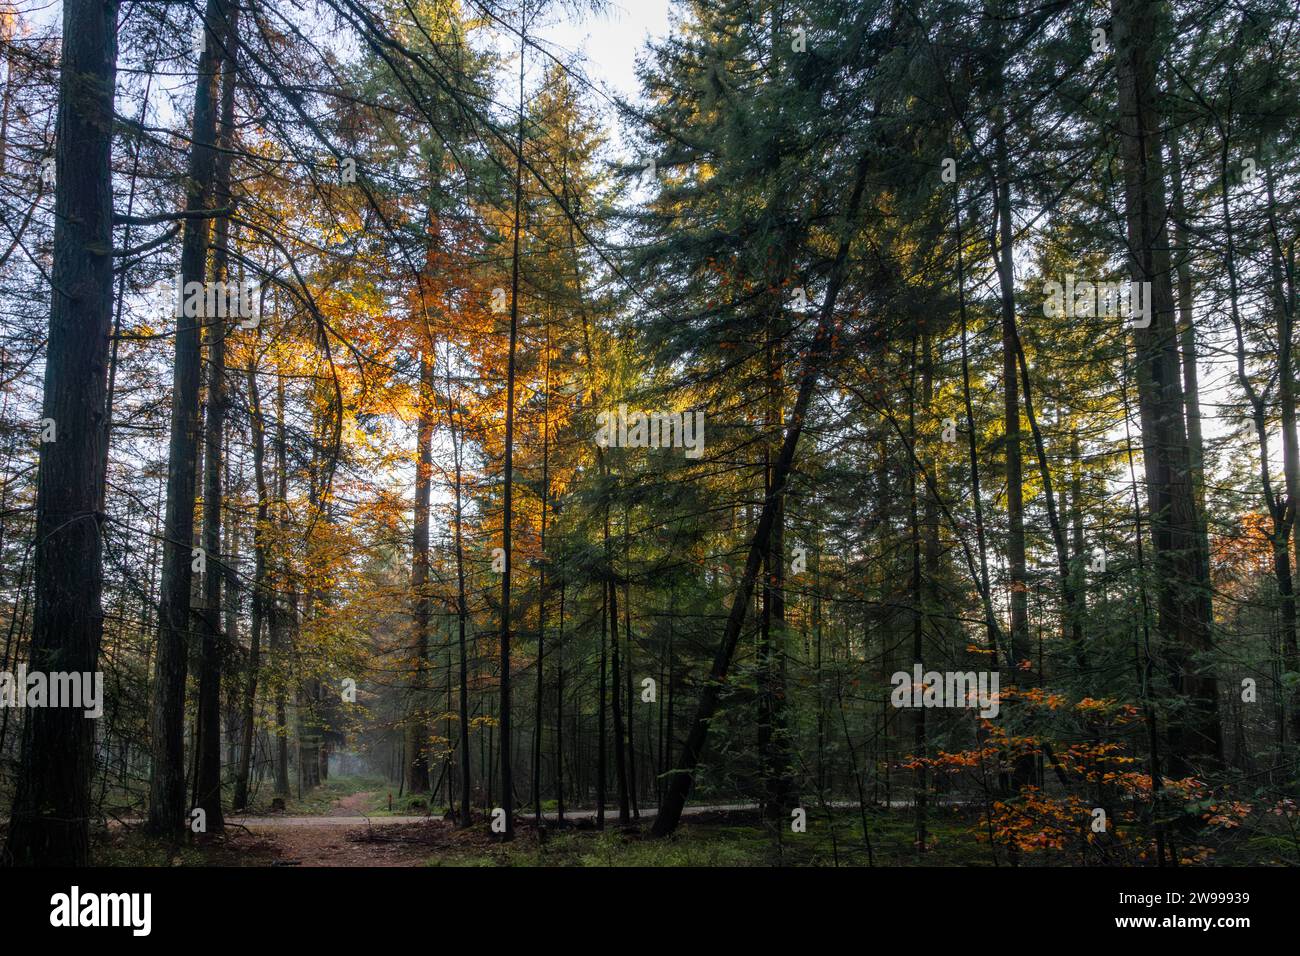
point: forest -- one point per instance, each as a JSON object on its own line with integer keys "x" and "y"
{"x": 764, "y": 433}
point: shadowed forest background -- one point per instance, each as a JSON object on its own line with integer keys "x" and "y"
{"x": 575, "y": 471}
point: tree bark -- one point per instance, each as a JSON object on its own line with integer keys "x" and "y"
{"x": 920, "y": 787}
{"x": 167, "y": 775}
{"x": 417, "y": 729}
{"x": 258, "y": 427}
{"x": 616, "y": 690}
{"x": 280, "y": 610}
{"x": 1180, "y": 572}
{"x": 207, "y": 787}
{"x": 49, "y": 823}
{"x": 773, "y": 745}
{"x": 462, "y": 609}
{"x": 1187, "y": 339}
{"x": 539, "y": 710}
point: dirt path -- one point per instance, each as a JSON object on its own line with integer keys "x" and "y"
{"x": 340, "y": 846}
{"x": 343, "y": 837}
{"x": 353, "y": 805}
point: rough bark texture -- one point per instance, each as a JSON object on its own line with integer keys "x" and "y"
{"x": 51, "y": 806}
{"x": 1182, "y": 586}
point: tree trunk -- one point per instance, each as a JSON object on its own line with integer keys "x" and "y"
{"x": 627, "y": 665}
{"x": 280, "y": 611}
{"x": 258, "y": 426}
{"x": 1179, "y": 572}
{"x": 1187, "y": 340}
{"x": 539, "y": 710}
{"x": 991, "y": 629}
{"x": 616, "y": 690}
{"x": 773, "y": 746}
{"x": 1019, "y": 598}
{"x": 462, "y": 611}
{"x": 49, "y": 824}
{"x": 507, "y": 504}
{"x": 417, "y": 729}
{"x": 678, "y": 790}
{"x": 559, "y": 713}
{"x": 920, "y": 786}
{"x": 207, "y": 787}
{"x": 167, "y": 775}
{"x": 1284, "y": 306}
{"x": 602, "y": 770}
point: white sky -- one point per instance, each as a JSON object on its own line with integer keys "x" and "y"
{"x": 612, "y": 40}
{"x": 601, "y": 48}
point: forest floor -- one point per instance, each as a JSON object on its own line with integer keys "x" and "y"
{"x": 359, "y": 822}
{"x": 705, "y": 838}
{"x": 348, "y": 822}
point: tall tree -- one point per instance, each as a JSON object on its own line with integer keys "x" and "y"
{"x": 507, "y": 499}
{"x": 261, "y": 531}
{"x": 167, "y": 774}
{"x": 51, "y": 809}
{"x": 417, "y": 729}
{"x": 207, "y": 777}
{"x": 1180, "y": 571}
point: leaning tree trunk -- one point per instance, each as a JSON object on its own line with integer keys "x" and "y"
{"x": 49, "y": 824}
{"x": 670, "y": 813}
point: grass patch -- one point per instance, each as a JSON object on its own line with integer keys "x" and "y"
{"x": 734, "y": 839}
{"x": 407, "y": 805}
{"x": 120, "y": 847}
{"x": 320, "y": 800}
